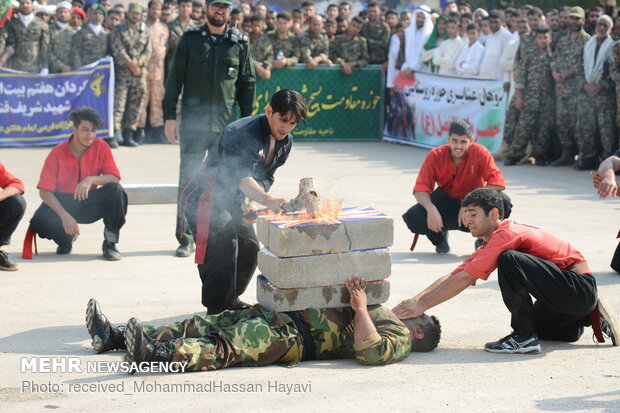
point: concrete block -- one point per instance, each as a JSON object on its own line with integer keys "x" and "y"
{"x": 295, "y": 299}
{"x": 138, "y": 194}
{"x": 361, "y": 228}
{"x": 324, "y": 269}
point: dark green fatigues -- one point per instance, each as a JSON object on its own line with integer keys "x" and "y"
{"x": 214, "y": 73}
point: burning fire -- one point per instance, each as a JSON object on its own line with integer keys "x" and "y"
{"x": 330, "y": 212}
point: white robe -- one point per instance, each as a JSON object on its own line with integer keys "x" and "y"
{"x": 495, "y": 45}
{"x": 392, "y": 71}
{"x": 446, "y": 54}
{"x": 468, "y": 61}
{"x": 415, "y": 39}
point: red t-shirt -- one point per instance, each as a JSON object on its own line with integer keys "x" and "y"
{"x": 476, "y": 170}
{"x": 523, "y": 238}
{"x": 7, "y": 179}
{"x": 62, "y": 172}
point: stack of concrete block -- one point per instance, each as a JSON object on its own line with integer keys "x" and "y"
{"x": 305, "y": 264}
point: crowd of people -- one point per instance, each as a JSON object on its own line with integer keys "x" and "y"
{"x": 561, "y": 62}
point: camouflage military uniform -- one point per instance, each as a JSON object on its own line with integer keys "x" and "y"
{"x": 288, "y": 45}
{"x": 60, "y": 47}
{"x": 176, "y": 28}
{"x": 129, "y": 91}
{"x": 155, "y": 76}
{"x": 262, "y": 50}
{"x": 377, "y": 36}
{"x": 534, "y": 122}
{"x": 311, "y": 47}
{"x": 597, "y": 115}
{"x": 568, "y": 54}
{"x": 89, "y": 47}
{"x": 30, "y": 45}
{"x": 255, "y": 337}
{"x": 3, "y": 35}
{"x": 614, "y": 72}
{"x": 354, "y": 50}
{"x": 527, "y": 44}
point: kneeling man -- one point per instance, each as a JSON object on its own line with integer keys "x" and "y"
{"x": 255, "y": 337}
{"x": 79, "y": 184}
{"x": 529, "y": 262}
{"x": 457, "y": 168}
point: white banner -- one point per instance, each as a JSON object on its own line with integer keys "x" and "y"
{"x": 420, "y": 110}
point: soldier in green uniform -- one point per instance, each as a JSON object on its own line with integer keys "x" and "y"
{"x": 314, "y": 44}
{"x": 213, "y": 67}
{"x": 177, "y": 27}
{"x": 262, "y": 50}
{"x": 533, "y": 98}
{"x": 27, "y": 42}
{"x": 131, "y": 49}
{"x": 61, "y": 35}
{"x": 285, "y": 44}
{"x": 255, "y": 337}
{"x": 596, "y": 102}
{"x": 91, "y": 42}
{"x": 349, "y": 49}
{"x": 568, "y": 56}
{"x": 377, "y": 34}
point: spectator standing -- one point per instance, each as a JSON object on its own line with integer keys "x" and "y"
{"x": 377, "y": 34}
{"x": 314, "y": 44}
{"x": 350, "y": 50}
{"x": 448, "y": 51}
{"x": 468, "y": 61}
{"x": 285, "y": 44}
{"x": 61, "y": 35}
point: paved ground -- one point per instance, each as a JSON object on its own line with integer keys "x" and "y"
{"x": 42, "y": 305}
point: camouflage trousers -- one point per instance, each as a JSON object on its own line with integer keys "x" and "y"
{"x": 512, "y": 117}
{"x": 153, "y": 102}
{"x": 533, "y": 127}
{"x": 596, "y": 115}
{"x": 129, "y": 96}
{"x": 566, "y": 121}
{"x": 247, "y": 337}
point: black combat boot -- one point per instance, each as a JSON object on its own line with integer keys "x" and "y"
{"x": 105, "y": 336}
{"x": 128, "y": 138}
{"x": 139, "y": 350}
{"x": 139, "y": 136}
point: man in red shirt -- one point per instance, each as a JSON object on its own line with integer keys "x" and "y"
{"x": 529, "y": 262}
{"x": 80, "y": 184}
{"x": 457, "y": 169}
{"x": 12, "y": 207}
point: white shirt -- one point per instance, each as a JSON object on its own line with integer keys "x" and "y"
{"x": 507, "y": 63}
{"x": 415, "y": 39}
{"x": 26, "y": 19}
{"x": 393, "y": 50}
{"x": 468, "y": 61}
{"x": 95, "y": 28}
{"x": 495, "y": 45}
{"x": 61, "y": 24}
{"x": 446, "y": 54}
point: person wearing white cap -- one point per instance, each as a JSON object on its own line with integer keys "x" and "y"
{"x": 27, "y": 43}
{"x": 416, "y": 36}
{"x": 61, "y": 35}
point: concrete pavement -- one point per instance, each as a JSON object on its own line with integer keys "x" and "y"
{"x": 42, "y": 305}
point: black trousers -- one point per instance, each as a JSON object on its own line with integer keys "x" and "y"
{"x": 11, "y": 212}
{"x": 563, "y": 298}
{"x": 230, "y": 259}
{"x": 108, "y": 202}
{"x": 449, "y": 208}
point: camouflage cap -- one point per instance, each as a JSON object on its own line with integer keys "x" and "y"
{"x": 135, "y": 7}
{"x": 577, "y": 12}
{"x": 229, "y": 2}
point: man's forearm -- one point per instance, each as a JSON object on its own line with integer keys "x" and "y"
{"x": 362, "y": 325}
{"x": 51, "y": 201}
{"x": 424, "y": 199}
{"x": 431, "y": 287}
{"x": 450, "y": 287}
{"x": 8, "y": 192}
{"x": 254, "y": 191}
{"x": 104, "y": 179}
{"x": 610, "y": 164}
{"x": 496, "y": 187}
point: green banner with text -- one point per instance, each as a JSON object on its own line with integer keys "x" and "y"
{"x": 339, "y": 107}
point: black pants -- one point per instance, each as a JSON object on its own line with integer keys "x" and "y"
{"x": 230, "y": 260}
{"x": 11, "y": 212}
{"x": 108, "y": 202}
{"x": 449, "y": 208}
{"x": 563, "y": 298}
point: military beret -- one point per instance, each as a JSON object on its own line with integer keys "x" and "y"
{"x": 79, "y": 12}
{"x": 64, "y": 5}
{"x": 135, "y": 7}
{"x": 99, "y": 7}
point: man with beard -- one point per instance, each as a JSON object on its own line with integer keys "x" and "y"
{"x": 567, "y": 57}
{"x": 456, "y": 169}
{"x": 212, "y": 66}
